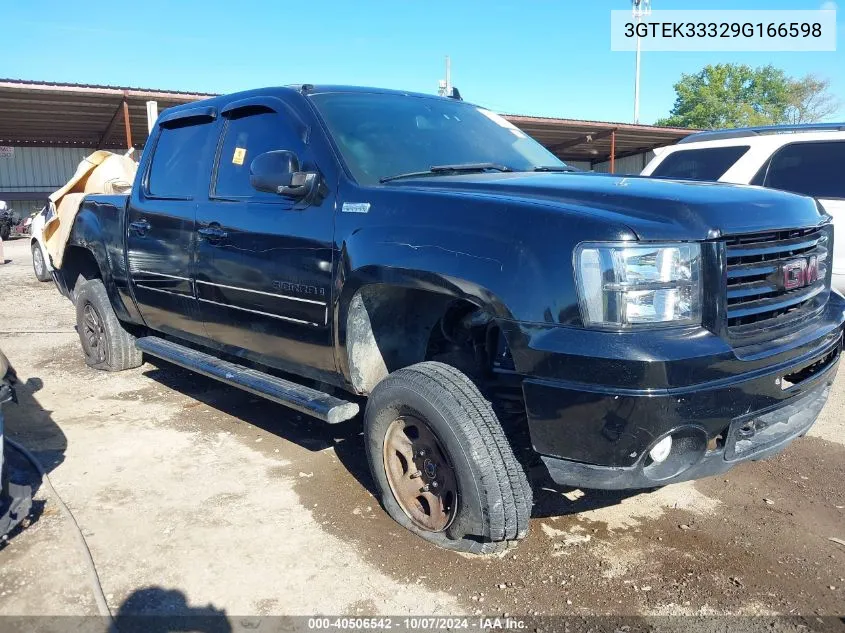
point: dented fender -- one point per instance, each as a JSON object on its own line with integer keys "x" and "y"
{"x": 98, "y": 228}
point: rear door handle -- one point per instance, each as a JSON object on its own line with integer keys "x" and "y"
{"x": 212, "y": 233}
{"x": 140, "y": 226}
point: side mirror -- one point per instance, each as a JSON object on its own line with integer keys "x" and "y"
{"x": 278, "y": 172}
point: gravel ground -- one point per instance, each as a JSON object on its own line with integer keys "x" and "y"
{"x": 198, "y": 498}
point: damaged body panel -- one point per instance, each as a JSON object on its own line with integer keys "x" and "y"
{"x": 388, "y": 245}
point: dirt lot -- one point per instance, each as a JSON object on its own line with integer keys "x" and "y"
{"x": 198, "y": 498}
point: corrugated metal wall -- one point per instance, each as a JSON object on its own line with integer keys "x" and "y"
{"x": 25, "y": 208}
{"x": 627, "y": 166}
{"x": 42, "y": 169}
{"x": 583, "y": 165}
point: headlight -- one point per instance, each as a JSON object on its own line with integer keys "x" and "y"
{"x": 631, "y": 285}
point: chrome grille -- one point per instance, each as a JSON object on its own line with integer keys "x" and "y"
{"x": 756, "y": 295}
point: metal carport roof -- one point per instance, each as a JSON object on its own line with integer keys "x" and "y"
{"x": 61, "y": 114}
{"x": 84, "y": 115}
{"x": 596, "y": 141}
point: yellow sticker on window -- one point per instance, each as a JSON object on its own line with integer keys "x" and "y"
{"x": 239, "y": 155}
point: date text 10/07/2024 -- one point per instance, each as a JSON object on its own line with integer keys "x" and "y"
{"x": 417, "y": 623}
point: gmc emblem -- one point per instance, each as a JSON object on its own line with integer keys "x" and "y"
{"x": 800, "y": 272}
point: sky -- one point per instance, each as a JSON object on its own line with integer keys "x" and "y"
{"x": 533, "y": 57}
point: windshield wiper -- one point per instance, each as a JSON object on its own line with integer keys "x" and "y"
{"x": 556, "y": 168}
{"x": 471, "y": 167}
{"x": 449, "y": 169}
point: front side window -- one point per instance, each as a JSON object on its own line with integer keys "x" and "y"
{"x": 383, "y": 135}
{"x": 249, "y": 133}
{"x": 175, "y": 165}
{"x": 811, "y": 168}
{"x": 699, "y": 164}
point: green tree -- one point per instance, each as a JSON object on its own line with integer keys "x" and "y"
{"x": 810, "y": 101}
{"x": 736, "y": 95}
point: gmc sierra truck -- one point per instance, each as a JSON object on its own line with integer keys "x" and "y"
{"x": 329, "y": 247}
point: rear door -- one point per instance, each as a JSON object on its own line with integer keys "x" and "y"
{"x": 813, "y": 168}
{"x": 161, "y": 222}
{"x": 264, "y": 262}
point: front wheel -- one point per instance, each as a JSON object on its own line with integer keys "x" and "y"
{"x": 441, "y": 461}
{"x": 39, "y": 264}
{"x": 104, "y": 341}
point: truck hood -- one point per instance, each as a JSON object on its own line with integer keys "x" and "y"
{"x": 653, "y": 209}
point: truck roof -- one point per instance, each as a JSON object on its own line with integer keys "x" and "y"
{"x": 308, "y": 89}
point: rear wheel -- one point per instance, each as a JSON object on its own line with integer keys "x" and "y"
{"x": 106, "y": 344}
{"x": 441, "y": 461}
{"x": 39, "y": 265}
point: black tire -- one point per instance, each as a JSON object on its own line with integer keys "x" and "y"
{"x": 38, "y": 263}
{"x": 5, "y": 231}
{"x": 105, "y": 343}
{"x": 494, "y": 497}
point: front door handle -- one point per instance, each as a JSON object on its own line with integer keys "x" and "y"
{"x": 140, "y": 226}
{"x": 212, "y": 233}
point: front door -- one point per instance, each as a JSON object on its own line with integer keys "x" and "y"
{"x": 264, "y": 263}
{"x": 160, "y": 225}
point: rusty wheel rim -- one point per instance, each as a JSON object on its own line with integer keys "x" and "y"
{"x": 420, "y": 474}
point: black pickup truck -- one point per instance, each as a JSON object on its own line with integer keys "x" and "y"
{"x": 328, "y": 246}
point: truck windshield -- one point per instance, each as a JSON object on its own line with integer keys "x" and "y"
{"x": 384, "y": 135}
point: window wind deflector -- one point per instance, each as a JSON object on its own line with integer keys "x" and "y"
{"x": 270, "y": 103}
{"x": 207, "y": 113}
{"x": 267, "y": 103}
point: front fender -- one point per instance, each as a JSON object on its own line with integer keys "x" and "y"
{"x": 437, "y": 265}
{"x": 511, "y": 257}
{"x": 492, "y": 271}
{"x": 514, "y": 256}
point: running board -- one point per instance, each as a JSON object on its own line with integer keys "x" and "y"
{"x": 297, "y": 397}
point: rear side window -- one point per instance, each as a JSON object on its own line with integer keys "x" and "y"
{"x": 700, "y": 164}
{"x": 176, "y": 162}
{"x": 811, "y": 168}
{"x": 251, "y": 133}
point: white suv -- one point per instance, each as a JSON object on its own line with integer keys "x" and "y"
{"x": 808, "y": 159}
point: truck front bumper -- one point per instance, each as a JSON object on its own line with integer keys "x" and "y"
{"x": 695, "y": 454}
{"x": 594, "y": 419}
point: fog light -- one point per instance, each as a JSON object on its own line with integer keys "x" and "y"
{"x": 661, "y": 450}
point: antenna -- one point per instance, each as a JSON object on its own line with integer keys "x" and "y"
{"x": 640, "y": 9}
{"x": 444, "y": 88}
